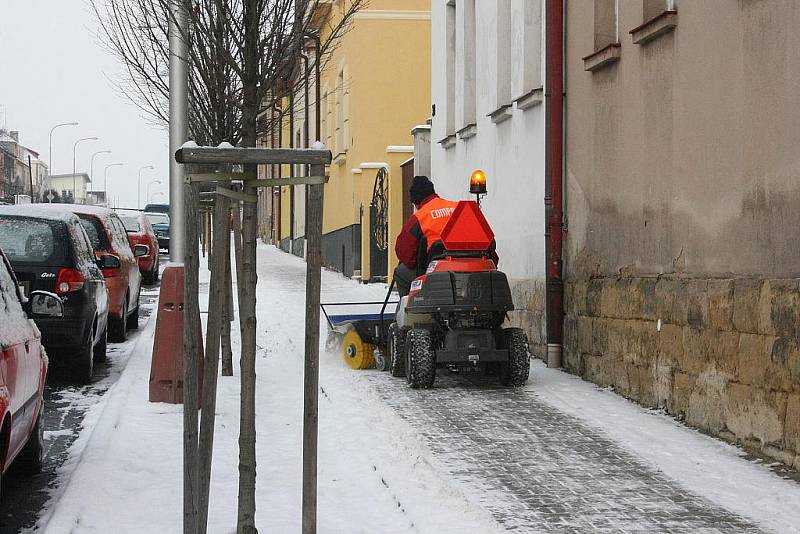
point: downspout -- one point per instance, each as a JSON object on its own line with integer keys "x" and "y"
{"x": 554, "y": 152}
{"x": 306, "y": 134}
{"x": 291, "y": 187}
{"x": 276, "y": 173}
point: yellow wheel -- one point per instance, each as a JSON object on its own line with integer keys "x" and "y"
{"x": 357, "y": 354}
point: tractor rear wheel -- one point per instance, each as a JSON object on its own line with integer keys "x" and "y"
{"x": 357, "y": 354}
{"x": 515, "y": 371}
{"x": 420, "y": 359}
{"x": 397, "y": 350}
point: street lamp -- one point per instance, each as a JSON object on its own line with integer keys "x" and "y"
{"x": 105, "y": 177}
{"x": 139, "y": 188}
{"x": 147, "y": 196}
{"x": 50, "y": 168}
{"x": 74, "y": 165}
{"x": 91, "y": 165}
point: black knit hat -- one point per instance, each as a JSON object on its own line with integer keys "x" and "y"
{"x": 421, "y": 188}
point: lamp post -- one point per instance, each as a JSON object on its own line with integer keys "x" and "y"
{"x": 91, "y": 165}
{"x": 105, "y": 178}
{"x": 147, "y": 196}
{"x": 74, "y": 165}
{"x": 139, "y": 188}
{"x": 53, "y": 129}
{"x": 156, "y": 195}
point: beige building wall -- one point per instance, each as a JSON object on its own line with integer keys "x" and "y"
{"x": 683, "y": 208}
{"x": 378, "y": 88}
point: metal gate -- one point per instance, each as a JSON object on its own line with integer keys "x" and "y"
{"x": 379, "y": 227}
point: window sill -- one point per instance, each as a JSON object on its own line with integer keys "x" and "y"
{"x": 448, "y": 142}
{"x": 501, "y": 114}
{"x": 605, "y": 56}
{"x": 470, "y": 130}
{"x": 659, "y": 25}
{"x": 340, "y": 158}
{"x": 530, "y": 99}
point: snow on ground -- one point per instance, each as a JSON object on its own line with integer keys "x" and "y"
{"x": 378, "y": 473}
{"x": 702, "y": 464}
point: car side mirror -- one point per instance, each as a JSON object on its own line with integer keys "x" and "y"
{"x": 141, "y": 250}
{"x": 45, "y": 304}
{"x": 108, "y": 261}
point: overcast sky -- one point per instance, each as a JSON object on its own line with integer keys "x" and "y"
{"x": 54, "y": 69}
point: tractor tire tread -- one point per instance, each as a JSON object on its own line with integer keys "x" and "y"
{"x": 421, "y": 372}
{"x": 515, "y": 372}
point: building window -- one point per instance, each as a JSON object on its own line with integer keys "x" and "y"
{"x": 465, "y": 67}
{"x": 347, "y": 110}
{"x": 605, "y": 23}
{"x": 503, "y": 59}
{"x": 654, "y": 8}
{"x": 450, "y": 66}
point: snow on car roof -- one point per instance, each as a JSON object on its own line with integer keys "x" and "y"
{"x": 51, "y": 212}
{"x": 129, "y": 213}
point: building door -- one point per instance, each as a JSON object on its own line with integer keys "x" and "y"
{"x": 379, "y": 227}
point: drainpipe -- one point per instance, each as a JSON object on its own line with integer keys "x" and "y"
{"x": 554, "y": 154}
{"x": 276, "y": 224}
{"x": 306, "y": 134}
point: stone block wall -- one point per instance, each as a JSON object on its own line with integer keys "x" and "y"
{"x": 528, "y": 298}
{"x": 724, "y": 354}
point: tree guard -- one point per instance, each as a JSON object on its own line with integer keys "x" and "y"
{"x": 199, "y": 477}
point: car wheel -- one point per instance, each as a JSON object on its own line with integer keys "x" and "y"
{"x": 156, "y": 269}
{"x": 147, "y": 278}
{"x": 421, "y": 359}
{"x": 31, "y": 459}
{"x": 133, "y": 318}
{"x": 100, "y": 349}
{"x": 515, "y": 371}
{"x": 83, "y": 368}
{"x": 118, "y": 325}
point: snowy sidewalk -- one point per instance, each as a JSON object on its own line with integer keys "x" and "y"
{"x": 559, "y": 455}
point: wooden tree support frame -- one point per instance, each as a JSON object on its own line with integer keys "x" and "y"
{"x": 198, "y": 449}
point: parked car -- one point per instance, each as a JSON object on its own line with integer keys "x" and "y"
{"x": 23, "y": 371}
{"x": 157, "y": 208}
{"x": 160, "y": 223}
{"x": 109, "y": 238}
{"x": 49, "y": 251}
{"x": 140, "y": 232}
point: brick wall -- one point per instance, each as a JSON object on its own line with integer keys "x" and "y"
{"x": 722, "y": 353}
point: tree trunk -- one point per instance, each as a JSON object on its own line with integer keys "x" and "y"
{"x": 247, "y": 306}
{"x": 227, "y": 315}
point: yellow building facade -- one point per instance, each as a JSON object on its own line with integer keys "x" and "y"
{"x": 374, "y": 88}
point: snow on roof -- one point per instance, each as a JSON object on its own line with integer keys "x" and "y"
{"x": 375, "y": 165}
{"x": 392, "y": 149}
{"x": 50, "y": 212}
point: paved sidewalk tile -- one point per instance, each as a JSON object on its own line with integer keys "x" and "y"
{"x": 539, "y": 470}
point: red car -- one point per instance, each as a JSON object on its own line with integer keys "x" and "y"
{"x": 109, "y": 238}
{"x": 23, "y": 371}
{"x": 140, "y": 232}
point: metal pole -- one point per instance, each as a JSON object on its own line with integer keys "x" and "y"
{"x": 139, "y": 186}
{"x": 105, "y": 181}
{"x": 91, "y": 165}
{"x": 311, "y": 377}
{"x": 50, "y": 168}
{"x": 178, "y": 135}
{"x": 75, "y": 167}
{"x": 178, "y": 123}
{"x": 147, "y": 196}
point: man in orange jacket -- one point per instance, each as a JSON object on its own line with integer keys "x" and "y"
{"x": 422, "y": 233}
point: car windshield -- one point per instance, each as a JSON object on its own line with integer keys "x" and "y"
{"x": 157, "y": 218}
{"x": 96, "y": 232}
{"x": 131, "y": 223}
{"x": 29, "y": 240}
